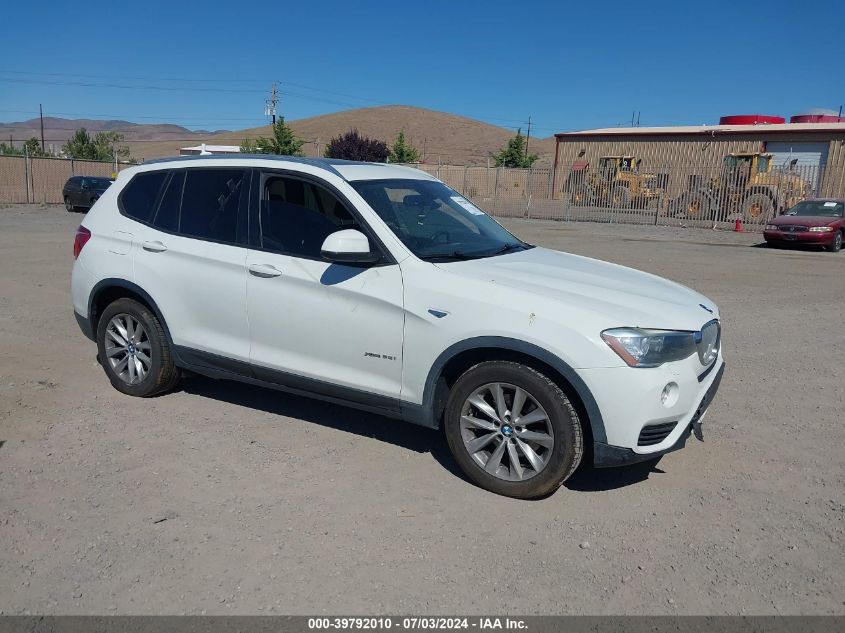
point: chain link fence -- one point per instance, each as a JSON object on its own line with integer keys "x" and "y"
{"x": 25, "y": 179}
{"x": 745, "y": 188}
{"x": 618, "y": 189}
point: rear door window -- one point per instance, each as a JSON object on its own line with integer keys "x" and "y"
{"x": 167, "y": 214}
{"x": 210, "y": 204}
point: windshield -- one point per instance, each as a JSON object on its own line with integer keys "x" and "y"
{"x": 818, "y": 208}
{"x": 435, "y": 222}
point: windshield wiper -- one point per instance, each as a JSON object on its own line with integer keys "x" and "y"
{"x": 452, "y": 255}
{"x": 507, "y": 248}
{"x": 461, "y": 255}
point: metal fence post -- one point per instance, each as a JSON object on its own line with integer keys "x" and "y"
{"x": 464, "y": 190}
{"x": 528, "y": 193}
{"x": 496, "y": 190}
{"x": 26, "y": 173}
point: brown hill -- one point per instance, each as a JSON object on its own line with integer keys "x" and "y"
{"x": 445, "y": 138}
{"x": 58, "y": 130}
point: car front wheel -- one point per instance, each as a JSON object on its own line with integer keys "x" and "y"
{"x": 836, "y": 244}
{"x": 69, "y": 205}
{"x": 512, "y": 430}
{"x": 134, "y": 350}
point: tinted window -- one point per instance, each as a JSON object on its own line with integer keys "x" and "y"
{"x": 297, "y": 216}
{"x": 210, "y": 204}
{"x": 167, "y": 215}
{"x": 139, "y": 198}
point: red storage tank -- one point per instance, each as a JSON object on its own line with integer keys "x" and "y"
{"x": 750, "y": 119}
{"x": 816, "y": 118}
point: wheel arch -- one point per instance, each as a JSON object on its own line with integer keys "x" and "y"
{"x": 457, "y": 358}
{"x": 109, "y": 290}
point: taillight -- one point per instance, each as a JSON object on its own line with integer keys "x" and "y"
{"x": 81, "y": 239}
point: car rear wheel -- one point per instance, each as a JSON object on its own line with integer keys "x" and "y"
{"x": 512, "y": 430}
{"x": 836, "y": 244}
{"x": 134, "y": 351}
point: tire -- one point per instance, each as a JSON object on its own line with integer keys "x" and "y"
{"x": 158, "y": 373}
{"x": 620, "y": 198}
{"x": 836, "y": 244}
{"x": 582, "y": 195}
{"x": 553, "y": 435}
{"x": 68, "y": 205}
{"x": 757, "y": 208}
{"x": 692, "y": 206}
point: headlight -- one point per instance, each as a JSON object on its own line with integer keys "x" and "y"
{"x": 821, "y": 229}
{"x": 772, "y": 227}
{"x": 650, "y": 348}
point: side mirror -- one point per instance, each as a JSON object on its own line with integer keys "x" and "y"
{"x": 348, "y": 247}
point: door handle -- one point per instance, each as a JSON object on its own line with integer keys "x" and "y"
{"x": 264, "y": 270}
{"x": 154, "y": 247}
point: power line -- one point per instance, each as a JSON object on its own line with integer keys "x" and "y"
{"x": 127, "y": 86}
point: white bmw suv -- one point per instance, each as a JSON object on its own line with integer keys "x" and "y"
{"x": 379, "y": 287}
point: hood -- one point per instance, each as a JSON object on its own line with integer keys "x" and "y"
{"x": 615, "y": 295}
{"x": 803, "y": 220}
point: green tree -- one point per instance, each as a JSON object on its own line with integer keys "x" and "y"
{"x": 10, "y": 150}
{"x": 283, "y": 142}
{"x": 103, "y": 146}
{"x": 403, "y": 152}
{"x": 80, "y": 145}
{"x": 32, "y": 147}
{"x": 249, "y": 146}
{"x": 514, "y": 154}
{"x": 108, "y": 148}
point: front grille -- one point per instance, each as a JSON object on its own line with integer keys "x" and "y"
{"x": 655, "y": 433}
{"x": 793, "y": 228}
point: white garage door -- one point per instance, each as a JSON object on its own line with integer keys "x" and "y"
{"x": 809, "y": 158}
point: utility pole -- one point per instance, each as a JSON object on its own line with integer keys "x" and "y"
{"x": 270, "y": 104}
{"x": 41, "y": 115}
{"x": 528, "y": 138}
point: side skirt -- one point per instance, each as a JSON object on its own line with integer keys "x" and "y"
{"x": 222, "y": 368}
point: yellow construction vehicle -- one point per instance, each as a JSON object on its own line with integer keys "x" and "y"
{"x": 618, "y": 183}
{"x": 746, "y": 185}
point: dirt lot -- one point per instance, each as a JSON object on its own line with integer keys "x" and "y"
{"x": 224, "y": 498}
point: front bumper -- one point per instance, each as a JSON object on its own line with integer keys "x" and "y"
{"x": 607, "y": 455}
{"x": 801, "y": 237}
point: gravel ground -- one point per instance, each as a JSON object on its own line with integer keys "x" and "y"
{"x": 223, "y": 498}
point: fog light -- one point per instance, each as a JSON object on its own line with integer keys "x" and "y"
{"x": 669, "y": 395}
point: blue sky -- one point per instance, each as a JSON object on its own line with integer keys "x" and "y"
{"x": 569, "y": 65}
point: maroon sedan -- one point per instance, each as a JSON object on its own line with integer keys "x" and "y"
{"x": 820, "y": 222}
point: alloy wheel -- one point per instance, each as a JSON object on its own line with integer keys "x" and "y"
{"x": 128, "y": 348}
{"x": 506, "y": 431}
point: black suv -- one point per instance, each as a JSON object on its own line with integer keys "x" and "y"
{"x": 81, "y": 192}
